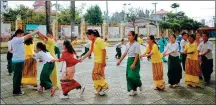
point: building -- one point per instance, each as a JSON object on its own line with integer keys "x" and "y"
{"x": 39, "y": 7}
{"x": 160, "y": 15}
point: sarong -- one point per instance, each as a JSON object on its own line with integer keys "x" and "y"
{"x": 133, "y": 75}
{"x": 192, "y": 70}
{"x": 29, "y": 75}
{"x": 174, "y": 70}
{"x": 157, "y": 69}
{"x": 98, "y": 77}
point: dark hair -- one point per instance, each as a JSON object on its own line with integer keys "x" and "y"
{"x": 152, "y": 38}
{"x": 94, "y": 32}
{"x": 141, "y": 35}
{"x": 192, "y": 36}
{"x": 59, "y": 37}
{"x": 122, "y": 40}
{"x": 184, "y": 33}
{"x": 206, "y": 33}
{"x": 69, "y": 47}
{"x": 28, "y": 41}
{"x": 173, "y": 35}
{"x": 50, "y": 33}
{"x": 105, "y": 39}
{"x": 134, "y": 35}
{"x": 41, "y": 46}
{"x": 12, "y": 37}
{"x": 19, "y": 31}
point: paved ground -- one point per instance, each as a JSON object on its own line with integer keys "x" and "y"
{"x": 117, "y": 93}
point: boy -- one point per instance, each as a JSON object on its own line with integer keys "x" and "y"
{"x": 183, "y": 42}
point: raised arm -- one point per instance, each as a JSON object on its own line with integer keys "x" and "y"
{"x": 42, "y": 37}
{"x": 30, "y": 35}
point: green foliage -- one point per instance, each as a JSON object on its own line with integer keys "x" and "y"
{"x": 93, "y": 15}
{"x": 175, "y": 5}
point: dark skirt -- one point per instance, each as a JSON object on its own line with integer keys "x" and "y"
{"x": 174, "y": 70}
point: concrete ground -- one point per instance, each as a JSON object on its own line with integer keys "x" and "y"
{"x": 117, "y": 93}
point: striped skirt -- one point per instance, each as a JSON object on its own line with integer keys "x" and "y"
{"x": 192, "y": 70}
{"x": 29, "y": 75}
{"x": 157, "y": 69}
{"x": 98, "y": 77}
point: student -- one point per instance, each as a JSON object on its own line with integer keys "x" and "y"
{"x": 118, "y": 49}
{"x": 174, "y": 65}
{"x": 205, "y": 51}
{"x": 50, "y": 46}
{"x": 30, "y": 64}
{"x": 48, "y": 67}
{"x": 9, "y": 56}
{"x": 140, "y": 40}
{"x": 162, "y": 43}
{"x": 133, "y": 64}
{"x": 157, "y": 65}
{"x": 18, "y": 59}
{"x": 67, "y": 81}
{"x": 183, "y": 42}
{"x": 87, "y": 45}
{"x": 74, "y": 43}
{"x": 192, "y": 67}
{"x": 98, "y": 75}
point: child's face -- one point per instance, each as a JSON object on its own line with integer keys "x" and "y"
{"x": 198, "y": 36}
{"x": 141, "y": 37}
{"x": 122, "y": 42}
{"x": 149, "y": 41}
{"x": 130, "y": 37}
{"x": 185, "y": 36}
{"x": 38, "y": 49}
{"x": 205, "y": 37}
{"x": 172, "y": 39}
{"x": 190, "y": 39}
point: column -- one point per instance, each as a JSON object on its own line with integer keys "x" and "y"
{"x": 83, "y": 30}
{"x": 122, "y": 29}
{"x": 19, "y": 24}
{"x": 137, "y": 29}
{"x": 105, "y": 30}
{"x": 55, "y": 29}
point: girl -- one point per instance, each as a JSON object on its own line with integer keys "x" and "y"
{"x": 162, "y": 43}
{"x": 98, "y": 76}
{"x": 133, "y": 64}
{"x": 192, "y": 67}
{"x": 67, "y": 82}
{"x": 48, "y": 60}
{"x": 30, "y": 64}
{"x": 183, "y": 42}
{"x": 205, "y": 51}
{"x": 174, "y": 65}
{"x": 157, "y": 66}
{"x": 118, "y": 49}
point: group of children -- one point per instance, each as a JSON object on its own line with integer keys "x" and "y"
{"x": 24, "y": 62}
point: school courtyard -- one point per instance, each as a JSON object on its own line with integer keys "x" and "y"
{"x": 117, "y": 93}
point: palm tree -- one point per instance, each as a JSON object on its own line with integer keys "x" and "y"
{"x": 175, "y": 6}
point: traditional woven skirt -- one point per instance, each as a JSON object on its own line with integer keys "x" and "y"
{"x": 157, "y": 69}
{"x": 132, "y": 75}
{"x": 192, "y": 70}
{"x": 29, "y": 75}
{"x": 98, "y": 77}
{"x": 174, "y": 70}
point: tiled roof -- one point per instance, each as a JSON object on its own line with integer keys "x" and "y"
{"x": 161, "y": 12}
{"x": 39, "y": 3}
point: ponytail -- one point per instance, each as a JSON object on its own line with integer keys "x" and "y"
{"x": 134, "y": 35}
{"x": 42, "y": 47}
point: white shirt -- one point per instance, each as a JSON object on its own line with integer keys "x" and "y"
{"x": 118, "y": 45}
{"x": 132, "y": 50}
{"x": 182, "y": 44}
{"x": 172, "y": 48}
{"x": 204, "y": 47}
{"x": 9, "y": 46}
{"x": 44, "y": 56}
{"x": 87, "y": 45}
{"x": 17, "y": 44}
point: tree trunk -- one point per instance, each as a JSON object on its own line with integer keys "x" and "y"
{"x": 72, "y": 19}
{"x": 47, "y": 4}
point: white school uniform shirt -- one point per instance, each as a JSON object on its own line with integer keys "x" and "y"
{"x": 203, "y": 47}
{"x": 45, "y": 56}
{"x": 118, "y": 45}
{"x": 9, "y": 46}
{"x": 182, "y": 44}
{"x": 17, "y": 44}
{"x": 132, "y": 50}
{"x": 172, "y": 48}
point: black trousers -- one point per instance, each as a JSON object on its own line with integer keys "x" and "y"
{"x": 207, "y": 68}
{"x": 118, "y": 53}
{"x": 9, "y": 59}
{"x": 184, "y": 56}
{"x": 86, "y": 50}
{"x": 17, "y": 77}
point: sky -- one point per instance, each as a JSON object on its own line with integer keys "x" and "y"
{"x": 194, "y": 9}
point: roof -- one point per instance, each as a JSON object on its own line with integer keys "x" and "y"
{"x": 39, "y": 3}
{"x": 43, "y": 11}
{"x": 161, "y": 12}
{"x": 207, "y": 28}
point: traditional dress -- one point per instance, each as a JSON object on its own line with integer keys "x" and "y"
{"x": 133, "y": 75}
{"x": 30, "y": 67}
{"x": 157, "y": 66}
{"x": 192, "y": 67}
{"x": 207, "y": 59}
{"x": 50, "y": 45}
{"x": 174, "y": 65}
{"x": 98, "y": 75}
{"x": 183, "y": 56}
{"x": 118, "y": 50}
{"x": 47, "y": 70}
{"x": 67, "y": 81}
{"x": 162, "y": 43}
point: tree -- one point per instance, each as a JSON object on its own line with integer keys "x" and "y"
{"x": 175, "y": 6}
{"x": 94, "y": 15}
{"x": 133, "y": 15}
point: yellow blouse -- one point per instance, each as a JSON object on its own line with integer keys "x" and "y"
{"x": 140, "y": 41}
{"x": 29, "y": 51}
{"x": 97, "y": 49}
{"x": 156, "y": 55}
{"x": 50, "y": 45}
{"x": 191, "y": 48}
